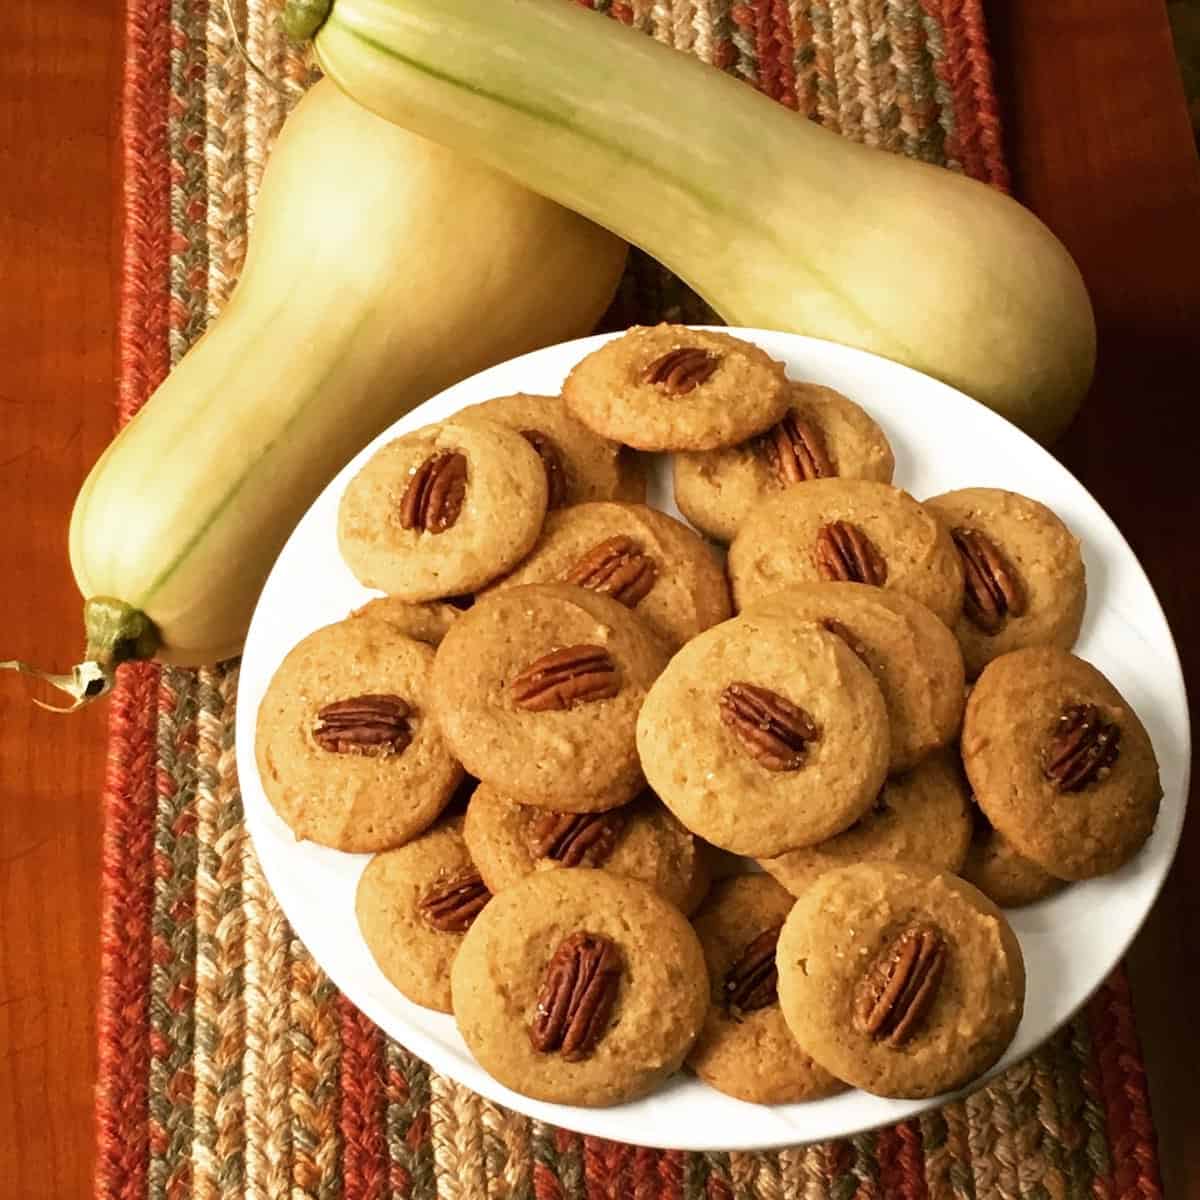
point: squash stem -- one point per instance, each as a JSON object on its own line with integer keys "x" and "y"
{"x": 116, "y": 633}
{"x": 303, "y": 18}
{"x": 88, "y": 681}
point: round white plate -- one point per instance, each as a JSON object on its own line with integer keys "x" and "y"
{"x": 942, "y": 440}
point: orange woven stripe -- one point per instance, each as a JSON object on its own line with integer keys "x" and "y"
{"x": 1131, "y": 1139}
{"x": 127, "y": 884}
{"x": 365, "y": 1161}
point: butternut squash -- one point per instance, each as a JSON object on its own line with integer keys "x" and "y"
{"x": 382, "y": 268}
{"x": 775, "y": 221}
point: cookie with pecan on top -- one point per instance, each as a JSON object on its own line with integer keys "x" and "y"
{"x": 1022, "y": 570}
{"x": 671, "y": 387}
{"x": 348, "y": 752}
{"x": 1059, "y": 762}
{"x": 640, "y": 840}
{"x": 847, "y": 530}
{"x": 443, "y": 511}
{"x": 580, "y": 987}
{"x": 580, "y": 465}
{"x": 764, "y": 734}
{"x": 823, "y": 435}
{"x": 414, "y": 904}
{"x": 537, "y": 691}
{"x": 650, "y": 562}
{"x": 901, "y": 980}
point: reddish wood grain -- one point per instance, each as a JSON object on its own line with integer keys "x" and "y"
{"x": 1099, "y": 143}
{"x": 58, "y": 86}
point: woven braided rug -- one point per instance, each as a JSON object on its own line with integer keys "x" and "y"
{"x": 230, "y": 1067}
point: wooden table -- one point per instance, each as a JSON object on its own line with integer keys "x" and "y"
{"x": 1100, "y": 147}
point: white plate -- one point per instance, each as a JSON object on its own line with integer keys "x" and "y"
{"x": 942, "y": 440}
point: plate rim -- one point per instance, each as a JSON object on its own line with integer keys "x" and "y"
{"x": 580, "y": 1119}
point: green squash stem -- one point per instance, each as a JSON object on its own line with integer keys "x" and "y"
{"x": 116, "y": 633}
{"x": 302, "y": 18}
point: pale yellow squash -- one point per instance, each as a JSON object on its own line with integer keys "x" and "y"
{"x": 381, "y": 269}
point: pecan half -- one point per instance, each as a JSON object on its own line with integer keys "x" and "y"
{"x": 796, "y": 449}
{"x": 834, "y": 626}
{"x": 679, "y": 371}
{"x": 452, "y": 902}
{"x": 844, "y": 553}
{"x": 556, "y": 473}
{"x": 566, "y": 677}
{"x": 896, "y": 991}
{"x": 576, "y": 997}
{"x": 435, "y": 493}
{"x": 369, "y": 725}
{"x": 1081, "y": 749}
{"x": 992, "y": 589}
{"x": 773, "y": 731}
{"x": 753, "y": 981}
{"x": 576, "y": 839}
{"x": 617, "y": 567}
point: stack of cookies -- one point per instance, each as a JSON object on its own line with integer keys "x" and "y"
{"x": 618, "y": 828}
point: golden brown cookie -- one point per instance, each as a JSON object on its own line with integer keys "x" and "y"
{"x": 923, "y": 817}
{"x": 640, "y": 840}
{"x": 1060, "y": 763}
{"x": 580, "y": 465}
{"x": 1000, "y": 873}
{"x": 414, "y": 905}
{"x": 823, "y": 435}
{"x": 580, "y": 987}
{"x": 914, "y": 657}
{"x": 1023, "y": 573}
{"x": 443, "y": 511}
{"x": 764, "y": 734}
{"x": 537, "y": 689}
{"x": 651, "y": 563}
{"x": 745, "y": 1048}
{"x": 901, "y": 980}
{"x": 424, "y": 622}
{"x": 853, "y": 530}
{"x": 670, "y": 387}
{"x": 347, "y": 749}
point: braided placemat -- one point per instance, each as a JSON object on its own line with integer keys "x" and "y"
{"x": 230, "y": 1067}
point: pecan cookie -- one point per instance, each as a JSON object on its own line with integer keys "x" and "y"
{"x": 847, "y": 530}
{"x": 422, "y": 622}
{"x": 670, "y": 387}
{"x": 901, "y": 980}
{"x": 413, "y": 906}
{"x": 745, "y": 1048}
{"x": 923, "y": 817}
{"x": 913, "y": 656}
{"x": 443, "y": 511}
{"x": 1022, "y": 570}
{"x": 347, "y": 749}
{"x": 651, "y": 563}
{"x": 580, "y": 987}
{"x": 640, "y": 840}
{"x": 764, "y": 734}
{"x": 1059, "y": 762}
{"x": 580, "y": 465}
{"x": 822, "y": 435}
{"x": 1000, "y": 873}
{"x": 537, "y": 690}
